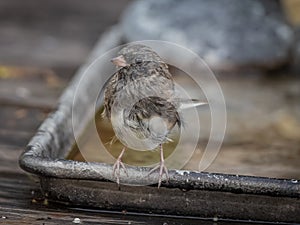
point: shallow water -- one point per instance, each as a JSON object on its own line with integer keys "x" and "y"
{"x": 262, "y": 136}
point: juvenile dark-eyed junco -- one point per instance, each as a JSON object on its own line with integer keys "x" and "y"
{"x": 143, "y": 79}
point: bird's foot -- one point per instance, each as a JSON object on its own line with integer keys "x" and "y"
{"x": 117, "y": 167}
{"x": 162, "y": 170}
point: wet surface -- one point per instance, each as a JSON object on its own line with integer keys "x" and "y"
{"x": 262, "y": 132}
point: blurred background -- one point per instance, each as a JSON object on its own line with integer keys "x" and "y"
{"x": 253, "y": 48}
{"x": 60, "y": 34}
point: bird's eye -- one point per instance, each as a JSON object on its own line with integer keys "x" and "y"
{"x": 138, "y": 60}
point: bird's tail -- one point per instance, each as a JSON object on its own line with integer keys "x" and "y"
{"x": 190, "y": 103}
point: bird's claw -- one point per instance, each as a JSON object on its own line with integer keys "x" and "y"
{"x": 117, "y": 167}
{"x": 162, "y": 170}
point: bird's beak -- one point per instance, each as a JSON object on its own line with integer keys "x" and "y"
{"x": 119, "y": 61}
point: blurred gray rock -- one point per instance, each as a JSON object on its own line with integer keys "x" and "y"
{"x": 227, "y": 34}
{"x": 296, "y": 52}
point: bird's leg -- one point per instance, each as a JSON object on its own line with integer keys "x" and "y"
{"x": 162, "y": 168}
{"x": 116, "y": 167}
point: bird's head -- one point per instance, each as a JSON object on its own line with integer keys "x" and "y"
{"x": 135, "y": 54}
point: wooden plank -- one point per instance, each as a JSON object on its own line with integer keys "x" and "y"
{"x": 25, "y": 216}
{"x": 18, "y": 125}
{"x": 27, "y": 95}
{"x": 18, "y": 119}
{"x": 30, "y": 87}
{"x": 16, "y": 138}
{"x": 9, "y": 159}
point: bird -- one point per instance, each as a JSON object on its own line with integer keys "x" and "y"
{"x": 140, "y": 95}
